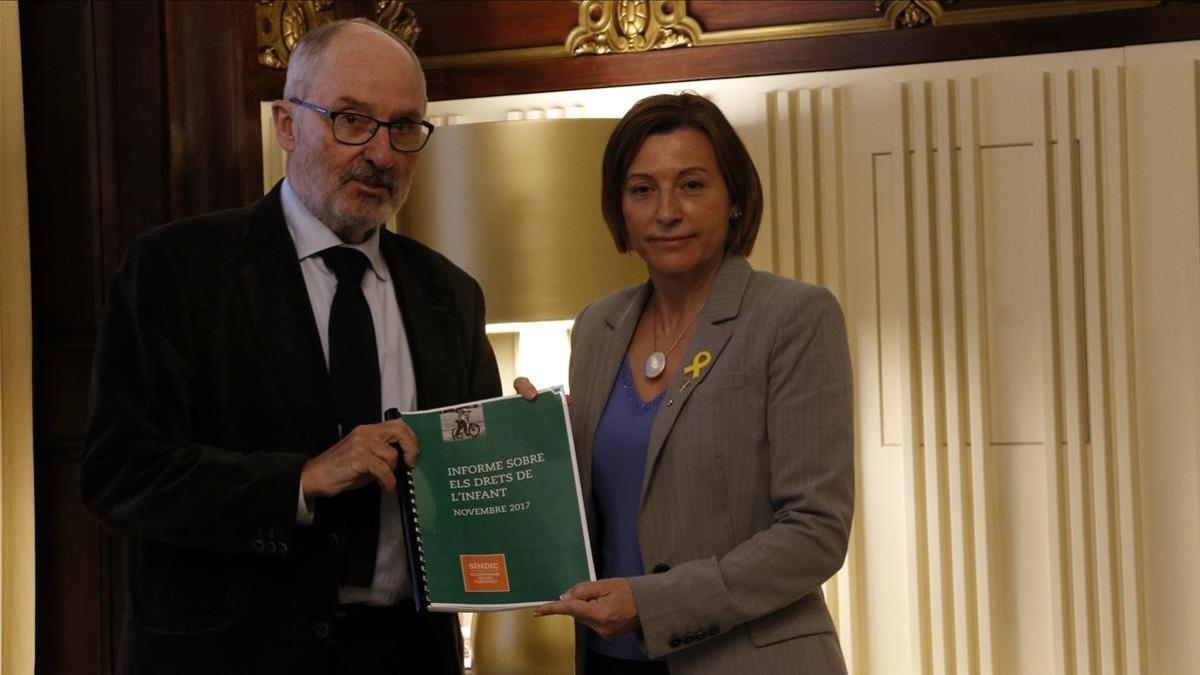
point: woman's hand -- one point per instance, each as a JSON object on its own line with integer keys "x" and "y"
{"x": 606, "y": 606}
{"x": 529, "y": 392}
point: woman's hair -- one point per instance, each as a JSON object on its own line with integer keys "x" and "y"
{"x": 663, "y": 114}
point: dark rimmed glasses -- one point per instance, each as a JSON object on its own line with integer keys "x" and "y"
{"x": 353, "y": 128}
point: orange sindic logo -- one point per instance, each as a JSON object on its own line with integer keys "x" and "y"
{"x": 486, "y": 573}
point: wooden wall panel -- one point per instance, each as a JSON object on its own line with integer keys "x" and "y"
{"x": 74, "y": 635}
{"x": 213, "y": 116}
{"x": 128, "y": 125}
{"x": 465, "y": 27}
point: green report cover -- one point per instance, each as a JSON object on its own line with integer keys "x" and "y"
{"x": 496, "y": 510}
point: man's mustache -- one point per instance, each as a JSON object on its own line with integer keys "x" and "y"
{"x": 372, "y": 176}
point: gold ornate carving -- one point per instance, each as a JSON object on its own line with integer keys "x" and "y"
{"x": 961, "y": 16}
{"x": 395, "y": 17}
{"x": 281, "y": 24}
{"x": 613, "y": 26}
{"x": 912, "y": 13}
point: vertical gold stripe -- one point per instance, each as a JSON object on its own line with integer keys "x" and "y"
{"x": 924, "y": 223}
{"x": 1060, "y": 587}
{"x": 948, "y": 274}
{"x": 975, "y": 332}
{"x": 830, "y": 192}
{"x": 779, "y": 160}
{"x": 1124, "y": 406}
{"x": 785, "y": 182}
{"x": 17, "y": 573}
{"x": 808, "y": 185}
{"x": 910, "y": 396}
{"x": 789, "y": 203}
{"x": 1107, "y": 641}
{"x": 1074, "y": 392}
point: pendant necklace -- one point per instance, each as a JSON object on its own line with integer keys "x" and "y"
{"x": 657, "y": 362}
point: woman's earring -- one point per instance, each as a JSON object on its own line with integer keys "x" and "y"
{"x": 737, "y": 213}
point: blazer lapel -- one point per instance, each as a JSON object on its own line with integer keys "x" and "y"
{"x": 598, "y": 369}
{"x": 429, "y": 324}
{"x": 621, "y": 322}
{"x": 282, "y": 319}
{"x": 713, "y": 331}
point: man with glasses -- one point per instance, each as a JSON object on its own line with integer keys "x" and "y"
{"x": 244, "y": 365}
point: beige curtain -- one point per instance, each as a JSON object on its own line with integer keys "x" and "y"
{"x": 16, "y": 378}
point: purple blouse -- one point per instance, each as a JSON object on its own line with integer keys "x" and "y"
{"x": 618, "y": 467}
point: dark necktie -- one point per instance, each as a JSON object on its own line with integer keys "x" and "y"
{"x": 354, "y": 378}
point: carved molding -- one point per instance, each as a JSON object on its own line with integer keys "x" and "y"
{"x": 618, "y": 26}
{"x": 912, "y": 13}
{"x": 281, "y": 24}
{"x": 400, "y": 20}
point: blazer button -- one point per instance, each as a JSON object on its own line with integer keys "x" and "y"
{"x": 660, "y": 568}
{"x": 258, "y": 546}
{"x": 689, "y": 639}
{"x": 675, "y": 641}
{"x": 271, "y": 548}
{"x": 282, "y": 548}
{"x": 321, "y": 630}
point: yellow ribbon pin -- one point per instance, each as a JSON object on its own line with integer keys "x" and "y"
{"x": 699, "y": 362}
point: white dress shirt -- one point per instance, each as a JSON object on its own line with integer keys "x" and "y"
{"x": 398, "y": 387}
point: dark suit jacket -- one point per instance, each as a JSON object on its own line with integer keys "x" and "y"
{"x": 209, "y": 392}
{"x": 748, "y": 494}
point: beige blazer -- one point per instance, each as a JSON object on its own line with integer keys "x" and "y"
{"x": 749, "y": 487}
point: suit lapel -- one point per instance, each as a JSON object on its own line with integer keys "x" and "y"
{"x": 430, "y": 326}
{"x": 282, "y": 319}
{"x": 713, "y": 331}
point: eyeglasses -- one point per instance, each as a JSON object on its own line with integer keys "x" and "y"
{"x": 354, "y": 128}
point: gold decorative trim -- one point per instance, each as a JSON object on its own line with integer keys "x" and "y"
{"x": 281, "y": 24}
{"x": 911, "y": 13}
{"x": 398, "y": 19}
{"x": 1036, "y": 10}
{"x": 623, "y": 26}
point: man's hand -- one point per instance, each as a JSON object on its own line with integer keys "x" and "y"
{"x": 606, "y": 606}
{"x": 365, "y": 454}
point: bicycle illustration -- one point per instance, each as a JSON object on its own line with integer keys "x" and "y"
{"x": 463, "y": 426}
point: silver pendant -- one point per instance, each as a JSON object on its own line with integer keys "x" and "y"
{"x": 655, "y": 363}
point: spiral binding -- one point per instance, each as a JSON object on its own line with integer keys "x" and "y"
{"x": 417, "y": 536}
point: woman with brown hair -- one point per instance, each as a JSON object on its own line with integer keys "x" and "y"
{"x": 713, "y": 422}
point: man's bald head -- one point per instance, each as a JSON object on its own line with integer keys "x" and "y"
{"x": 357, "y": 69}
{"x": 305, "y": 60}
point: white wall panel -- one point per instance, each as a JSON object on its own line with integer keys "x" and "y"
{"x": 1024, "y": 625}
{"x": 1161, "y": 101}
{"x": 1012, "y": 290}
